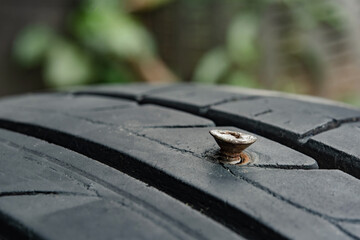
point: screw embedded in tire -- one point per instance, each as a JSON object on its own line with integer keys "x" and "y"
{"x": 232, "y": 144}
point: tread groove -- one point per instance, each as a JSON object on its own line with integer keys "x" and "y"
{"x": 35, "y": 192}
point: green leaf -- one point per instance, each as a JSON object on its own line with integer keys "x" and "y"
{"x": 108, "y": 30}
{"x": 241, "y": 40}
{"x": 212, "y": 66}
{"x": 67, "y": 65}
{"x": 31, "y": 45}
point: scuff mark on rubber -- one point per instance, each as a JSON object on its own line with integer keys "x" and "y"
{"x": 263, "y": 113}
{"x": 99, "y": 109}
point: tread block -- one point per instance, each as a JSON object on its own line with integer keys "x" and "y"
{"x": 329, "y": 193}
{"x": 131, "y": 91}
{"x": 114, "y": 219}
{"x": 340, "y": 146}
{"x": 146, "y": 116}
{"x": 198, "y": 141}
{"x": 193, "y": 98}
{"x": 66, "y": 102}
{"x": 128, "y": 115}
{"x": 22, "y": 173}
{"x": 84, "y": 196}
{"x": 289, "y": 118}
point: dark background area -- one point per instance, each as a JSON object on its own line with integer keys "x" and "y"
{"x": 15, "y": 16}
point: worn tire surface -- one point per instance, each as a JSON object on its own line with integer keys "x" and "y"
{"x": 137, "y": 162}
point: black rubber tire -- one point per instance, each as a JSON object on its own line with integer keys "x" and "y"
{"x": 137, "y": 162}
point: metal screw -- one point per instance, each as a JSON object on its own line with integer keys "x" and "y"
{"x": 232, "y": 144}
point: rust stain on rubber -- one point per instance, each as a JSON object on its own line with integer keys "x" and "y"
{"x": 232, "y": 144}
{"x": 245, "y": 159}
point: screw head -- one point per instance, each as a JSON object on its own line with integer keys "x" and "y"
{"x": 232, "y": 144}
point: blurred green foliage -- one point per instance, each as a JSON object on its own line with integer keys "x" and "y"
{"x": 67, "y": 64}
{"x": 239, "y": 60}
{"x": 31, "y": 46}
{"x": 352, "y": 98}
{"x": 213, "y": 66}
{"x": 107, "y": 29}
{"x": 101, "y": 39}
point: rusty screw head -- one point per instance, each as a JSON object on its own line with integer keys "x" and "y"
{"x": 232, "y": 144}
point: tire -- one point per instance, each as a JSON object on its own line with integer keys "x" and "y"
{"x": 137, "y": 162}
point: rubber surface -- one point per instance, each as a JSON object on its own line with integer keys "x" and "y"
{"x": 137, "y": 162}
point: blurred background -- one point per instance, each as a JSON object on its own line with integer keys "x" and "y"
{"x": 297, "y": 46}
